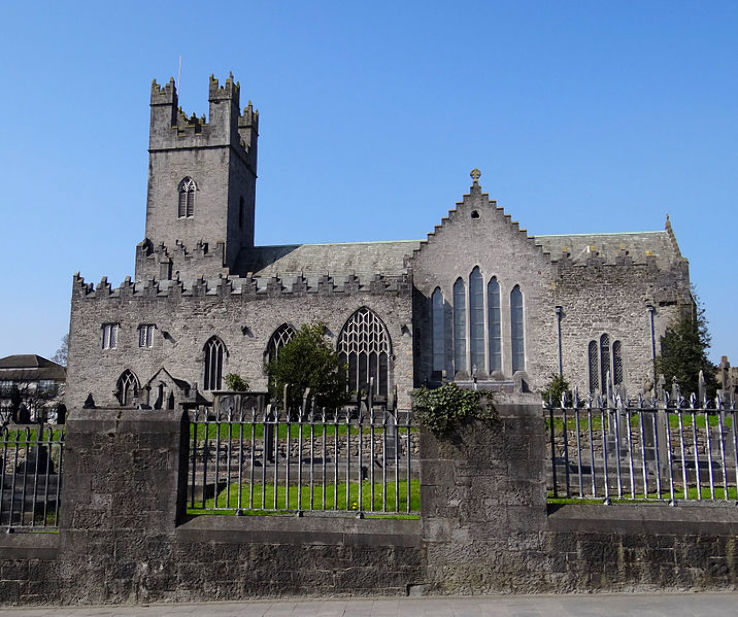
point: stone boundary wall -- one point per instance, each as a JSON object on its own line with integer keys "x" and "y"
{"x": 485, "y": 527}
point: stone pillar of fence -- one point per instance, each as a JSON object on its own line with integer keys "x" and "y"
{"x": 483, "y": 500}
{"x": 124, "y": 483}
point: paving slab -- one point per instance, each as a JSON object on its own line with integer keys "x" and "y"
{"x": 589, "y": 605}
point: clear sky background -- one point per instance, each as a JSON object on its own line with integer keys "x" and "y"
{"x": 583, "y": 117}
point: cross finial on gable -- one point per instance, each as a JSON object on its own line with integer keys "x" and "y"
{"x": 475, "y": 174}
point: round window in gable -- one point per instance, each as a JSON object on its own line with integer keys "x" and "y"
{"x": 474, "y": 214}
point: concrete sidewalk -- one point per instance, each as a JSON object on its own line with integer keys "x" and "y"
{"x": 605, "y": 605}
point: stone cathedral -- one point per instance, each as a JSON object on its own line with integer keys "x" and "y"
{"x": 478, "y": 301}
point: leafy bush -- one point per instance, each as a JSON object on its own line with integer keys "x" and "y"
{"x": 308, "y": 361}
{"x": 554, "y": 389}
{"x": 442, "y": 409}
{"x": 235, "y": 383}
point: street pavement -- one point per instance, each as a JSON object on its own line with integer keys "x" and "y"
{"x": 596, "y": 605}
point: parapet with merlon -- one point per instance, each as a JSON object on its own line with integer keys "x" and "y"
{"x": 245, "y": 288}
{"x": 172, "y": 128}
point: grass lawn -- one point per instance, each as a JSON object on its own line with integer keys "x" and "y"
{"x": 335, "y": 499}
{"x": 653, "y": 497}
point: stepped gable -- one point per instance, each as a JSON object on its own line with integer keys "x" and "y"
{"x": 364, "y": 259}
{"x": 475, "y": 198}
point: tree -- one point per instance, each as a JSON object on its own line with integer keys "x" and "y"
{"x": 61, "y": 355}
{"x": 308, "y": 361}
{"x": 684, "y": 352}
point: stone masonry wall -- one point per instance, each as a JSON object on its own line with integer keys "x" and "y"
{"x": 614, "y": 299}
{"x": 184, "y": 323}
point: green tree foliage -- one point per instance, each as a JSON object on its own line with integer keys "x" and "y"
{"x": 442, "y": 409}
{"x": 555, "y": 388}
{"x": 684, "y": 352}
{"x": 308, "y": 361}
{"x": 235, "y": 383}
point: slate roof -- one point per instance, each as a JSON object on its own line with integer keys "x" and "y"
{"x": 391, "y": 258}
{"x": 30, "y": 367}
{"x": 340, "y": 259}
{"x": 637, "y": 244}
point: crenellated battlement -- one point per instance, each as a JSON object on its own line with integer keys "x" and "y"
{"x": 246, "y": 288}
{"x": 160, "y": 262}
{"x": 173, "y": 128}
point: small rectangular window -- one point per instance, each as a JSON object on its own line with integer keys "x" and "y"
{"x": 146, "y": 335}
{"x": 109, "y": 335}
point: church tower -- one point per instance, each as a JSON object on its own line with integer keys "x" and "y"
{"x": 202, "y": 184}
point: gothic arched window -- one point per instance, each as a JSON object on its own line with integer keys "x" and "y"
{"x": 214, "y": 352}
{"x": 476, "y": 319}
{"x": 364, "y": 345}
{"x": 517, "y": 331}
{"x": 617, "y": 363}
{"x": 605, "y": 375}
{"x": 127, "y": 388}
{"x": 495, "y": 329}
{"x": 186, "y": 206}
{"x": 594, "y": 372}
{"x": 605, "y": 364}
{"x": 459, "y": 325}
{"x": 439, "y": 330}
{"x": 279, "y": 339}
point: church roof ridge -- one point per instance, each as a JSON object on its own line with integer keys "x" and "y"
{"x": 601, "y": 233}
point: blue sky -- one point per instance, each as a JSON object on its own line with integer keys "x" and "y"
{"x": 583, "y": 117}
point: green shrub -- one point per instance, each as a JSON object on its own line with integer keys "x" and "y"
{"x": 554, "y": 389}
{"x": 442, "y": 409}
{"x": 235, "y": 383}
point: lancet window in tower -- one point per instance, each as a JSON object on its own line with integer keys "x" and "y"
{"x": 364, "y": 346}
{"x": 214, "y": 352}
{"x": 459, "y": 325}
{"x": 127, "y": 388}
{"x": 187, "y": 190}
{"x": 279, "y": 339}
{"x": 517, "y": 331}
{"x": 439, "y": 330}
{"x": 495, "y": 325}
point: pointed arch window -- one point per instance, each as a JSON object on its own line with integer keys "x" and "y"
{"x": 127, "y": 388}
{"x": 517, "y": 331}
{"x": 604, "y": 360}
{"x": 460, "y": 325}
{"x": 279, "y": 339}
{"x": 476, "y": 319}
{"x": 495, "y": 325}
{"x": 439, "y": 330}
{"x": 605, "y": 364}
{"x": 594, "y": 373}
{"x": 187, "y": 190}
{"x": 214, "y": 352}
{"x": 365, "y": 346}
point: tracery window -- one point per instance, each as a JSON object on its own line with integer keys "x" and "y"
{"x": 517, "y": 332}
{"x": 439, "y": 330}
{"x": 476, "y": 319}
{"x": 279, "y": 339}
{"x": 605, "y": 364}
{"x": 460, "y": 325}
{"x": 127, "y": 388}
{"x": 495, "y": 325}
{"x": 186, "y": 206}
{"x": 365, "y": 346}
{"x": 214, "y": 352}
